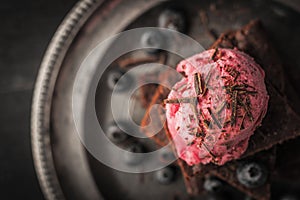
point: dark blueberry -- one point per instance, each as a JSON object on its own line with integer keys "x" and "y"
{"x": 153, "y": 40}
{"x": 115, "y": 134}
{"x": 165, "y": 175}
{"x": 212, "y": 184}
{"x": 173, "y": 19}
{"x": 167, "y": 155}
{"x": 131, "y": 156}
{"x": 115, "y": 82}
{"x": 252, "y": 174}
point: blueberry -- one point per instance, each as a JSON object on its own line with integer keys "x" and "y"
{"x": 167, "y": 155}
{"x": 131, "y": 157}
{"x": 252, "y": 174}
{"x": 115, "y": 82}
{"x": 165, "y": 175}
{"x": 172, "y": 19}
{"x": 212, "y": 184}
{"x": 115, "y": 134}
{"x": 153, "y": 40}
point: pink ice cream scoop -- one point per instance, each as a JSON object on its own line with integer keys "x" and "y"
{"x": 213, "y": 110}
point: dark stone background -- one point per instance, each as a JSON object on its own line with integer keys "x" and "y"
{"x": 25, "y": 31}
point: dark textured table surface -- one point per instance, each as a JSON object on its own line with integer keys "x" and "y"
{"x": 26, "y": 29}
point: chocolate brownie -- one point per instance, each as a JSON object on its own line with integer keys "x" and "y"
{"x": 281, "y": 122}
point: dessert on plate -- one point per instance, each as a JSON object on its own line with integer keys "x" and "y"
{"x": 281, "y": 122}
{"x": 213, "y": 110}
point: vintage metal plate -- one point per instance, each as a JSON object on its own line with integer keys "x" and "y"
{"x": 65, "y": 169}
